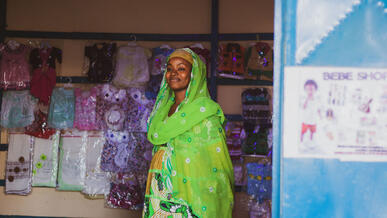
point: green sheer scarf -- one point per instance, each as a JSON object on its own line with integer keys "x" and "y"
{"x": 196, "y": 106}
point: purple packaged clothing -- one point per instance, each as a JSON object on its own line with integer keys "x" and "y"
{"x": 14, "y": 68}
{"x": 139, "y": 109}
{"x": 112, "y": 107}
{"x": 126, "y": 152}
{"x": 101, "y": 56}
{"x": 86, "y": 109}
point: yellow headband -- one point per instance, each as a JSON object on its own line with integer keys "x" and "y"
{"x": 180, "y": 53}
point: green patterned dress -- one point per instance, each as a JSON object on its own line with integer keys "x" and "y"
{"x": 191, "y": 173}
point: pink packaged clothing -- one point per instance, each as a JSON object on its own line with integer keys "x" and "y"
{"x": 132, "y": 69}
{"x": 85, "y": 109}
{"x": 112, "y": 107}
{"x": 14, "y": 68}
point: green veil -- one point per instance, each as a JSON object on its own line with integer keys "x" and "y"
{"x": 197, "y": 169}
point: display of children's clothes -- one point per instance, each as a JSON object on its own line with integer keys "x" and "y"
{"x": 259, "y": 58}
{"x": 125, "y": 192}
{"x": 132, "y": 68}
{"x": 39, "y": 128}
{"x": 72, "y": 161}
{"x": 14, "y": 67}
{"x": 231, "y": 61}
{"x": 45, "y": 161}
{"x": 62, "y": 109}
{"x": 44, "y": 74}
{"x": 96, "y": 181}
{"x": 112, "y": 107}
{"x": 101, "y": 57}
{"x": 17, "y": 109}
{"x": 86, "y": 109}
{"x": 139, "y": 110}
{"x": 259, "y": 180}
{"x": 18, "y": 167}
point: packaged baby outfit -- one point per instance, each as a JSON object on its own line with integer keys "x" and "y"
{"x": 62, "y": 108}
{"x": 101, "y": 61}
{"x": 259, "y": 58}
{"x": 45, "y": 161}
{"x": 132, "y": 68}
{"x": 39, "y": 128}
{"x": 139, "y": 109}
{"x": 112, "y": 107}
{"x": 97, "y": 182}
{"x": 18, "y": 172}
{"x": 72, "y": 161}
{"x": 17, "y": 109}
{"x": 14, "y": 67}
{"x": 231, "y": 61}
{"x": 44, "y": 73}
{"x": 86, "y": 109}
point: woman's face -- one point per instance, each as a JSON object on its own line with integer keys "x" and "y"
{"x": 178, "y": 74}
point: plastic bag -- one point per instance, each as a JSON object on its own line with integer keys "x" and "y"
{"x": 85, "y": 109}
{"x": 139, "y": 109}
{"x": 125, "y": 192}
{"x": 14, "y": 67}
{"x": 132, "y": 68}
{"x": 62, "y": 108}
{"x": 17, "y": 109}
{"x": 260, "y": 210}
{"x": 45, "y": 161}
{"x": 18, "y": 172}
{"x": 97, "y": 182}
{"x": 72, "y": 161}
{"x": 112, "y": 107}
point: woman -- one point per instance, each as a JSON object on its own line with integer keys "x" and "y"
{"x": 191, "y": 173}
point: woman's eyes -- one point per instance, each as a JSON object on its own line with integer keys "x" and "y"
{"x": 169, "y": 69}
{"x": 178, "y": 69}
{"x": 181, "y": 69}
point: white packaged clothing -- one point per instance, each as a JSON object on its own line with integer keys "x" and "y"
{"x": 72, "y": 162}
{"x": 132, "y": 68}
{"x": 45, "y": 161}
{"x": 96, "y": 181}
{"x": 19, "y": 160}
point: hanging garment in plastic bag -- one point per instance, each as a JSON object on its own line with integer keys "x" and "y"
{"x": 132, "y": 69}
{"x": 97, "y": 182}
{"x": 45, "y": 161}
{"x": 14, "y": 67}
{"x": 125, "y": 192}
{"x": 19, "y": 161}
{"x": 62, "y": 108}
{"x": 72, "y": 160}
{"x": 112, "y": 107}
{"x": 139, "y": 109}
{"x": 17, "y": 109}
{"x": 85, "y": 109}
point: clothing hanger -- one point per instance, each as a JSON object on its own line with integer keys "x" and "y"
{"x": 45, "y": 44}
{"x": 165, "y": 46}
{"x": 69, "y": 84}
{"x": 133, "y": 41}
{"x": 12, "y": 44}
{"x": 197, "y": 45}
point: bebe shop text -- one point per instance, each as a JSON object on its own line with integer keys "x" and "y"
{"x": 370, "y": 75}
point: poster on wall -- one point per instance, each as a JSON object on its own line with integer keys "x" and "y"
{"x": 335, "y": 112}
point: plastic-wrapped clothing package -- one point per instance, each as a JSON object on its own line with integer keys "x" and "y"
{"x": 45, "y": 161}
{"x": 44, "y": 74}
{"x": 97, "y": 183}
{"x": 18, "y": 168}
{"x": 238, "y": 171}
{"x": 203, "y": 53}
{"x": 125, "y": 192}
{"x": 101, "y": 56}
{"x": 231, "y": 61}
{"x": 256, "y": 108}
{"x": 39, "y": 128}
{"x": 86, "y": 109}
{"x": 112, "y": 107}
{"x": 153, "y": 86}
{"x": 62, "y": 109}
{"x": 132, "y": 69}
{"x": 14, "y": 67}
{"x": 260, "y": 210}
{"x": 235, "y": 135}
{"x": 259, "y": 181}
{"x": 159, "y": 59}
{"x": 259, "y": 58}
{"x": 139, "y": 110}
{"x": 72, "y": 160}
{"x": 17, "y": 109}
